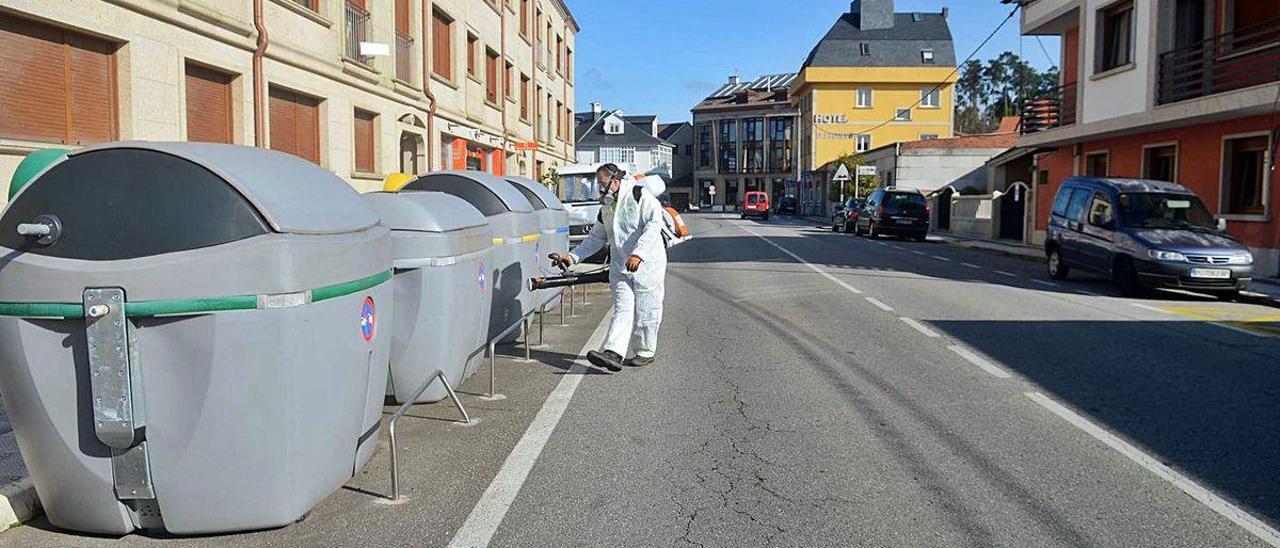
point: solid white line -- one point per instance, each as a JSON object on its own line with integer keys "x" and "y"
{"x": 1239, "y": 330}
{"x": 879, "y": 304}
{"x": 1044, "y": 283}
{"x": 1204, "y": 496}
{"x": 979, "y": 361}
{"x": 492, "y": 508}
{"x": 1151, "y": 308}
{"x": 1009, "y": 274}
{"x": 838, "y": 281}
{"x": 971, "y": 265}
{"x": 920, "y": 327}
{"x": 944, "y": 259}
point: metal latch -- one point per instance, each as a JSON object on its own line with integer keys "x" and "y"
{"x": 116, "y": 387}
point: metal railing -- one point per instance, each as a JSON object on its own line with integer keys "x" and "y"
{"x": 404, "y": 59}
{"x": 1056, "y": 108}
{"x": 1238, "y": 59}
{"x": 357, "y": 25}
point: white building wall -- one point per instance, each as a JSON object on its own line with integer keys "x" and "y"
{"x": 928, "y": 170}
{"x": 1119, "y": 91}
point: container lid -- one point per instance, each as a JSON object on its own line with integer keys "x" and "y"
{"x": 32, "y": 165}
{"x": 487, "y": 193}
{"x": 292, "y": 195}
{"x": 540, "y": 196}
{"x": 424, "y": 211}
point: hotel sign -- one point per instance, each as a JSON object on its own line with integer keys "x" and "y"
{"x": 830, "y": 118}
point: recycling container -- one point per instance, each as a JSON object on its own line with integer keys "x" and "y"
{"x": 515, "y": 239}
{"x": 191, "y": 336}
{"x": 553, "y": 223}
{"x": 442, "y": 247}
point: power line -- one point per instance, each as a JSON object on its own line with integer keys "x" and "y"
{"x": 944, "y": 81}
{"x": 1052, "y": 62}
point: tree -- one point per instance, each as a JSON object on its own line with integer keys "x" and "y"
{"x": 998, "y": 88}
{"x": 855, "y": 186}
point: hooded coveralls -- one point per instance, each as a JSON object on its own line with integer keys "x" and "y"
{"x": 630, "y": 227}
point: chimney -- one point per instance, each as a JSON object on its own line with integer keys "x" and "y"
{"x": 873, "y": 14}
{"x": 734, "y": 79}
{"x": 596, "y": 110}
{"x": 945, "y": 12}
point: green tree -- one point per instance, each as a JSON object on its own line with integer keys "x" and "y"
{"x": 855, "y": 186}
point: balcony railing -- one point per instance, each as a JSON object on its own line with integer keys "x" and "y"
{"x": 1056, "y": 108}
{"x": 357, "y": 23}
{"x": 1239, "y": 59}
{"x": 404, "y": 50}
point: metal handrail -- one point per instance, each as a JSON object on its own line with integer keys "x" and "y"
{"x": 1056, "y": 108}
{"x": 1234, "y": 60}
{"x": 404, "y": 45}
{"x": 357, "y": 20}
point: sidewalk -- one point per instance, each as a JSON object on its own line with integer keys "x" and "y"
{"x": 18, "y": 502}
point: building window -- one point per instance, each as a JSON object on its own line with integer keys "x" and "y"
{"x": 753, "y": 145}
{"x": 780, "y": 144}
{"x": 926, "y": 56}
{"x": 928, "y": 136}
{"x": 1244, "y": 175}
{"x": 704, "y": 145}
{"x": 1115, "y": 36}
{"x": 902, "y": 114}
{"x": 864, "y": 48}
{"x": 356, "y": 16}
{"x": 618, "y": 155}
{"x": 862, "y": 142}
{"x": 491, "y": 76}
{"x": 295, "y": 123}
{"x": 364, "y": 137}
{"x": 442, "y": 45}
{"x": 404, "y": 41}
{"x": 1160, "y": 163}
{"x": 728, "y": 146}
{"x": 568, "y": 64}
{"x": 524, "y": 97}
{"x": 472, "y": 42}
{"x": 1096, "y": 164}
{"x": 559, "y": 55}
{"x": 863, "y": 96}
{"x": 209, "y": 105}
{"x": 313, "y": 5}
{"x": 524, "y": 18}
{"x": 560, "y": 125}
{"x": 930, "y": 98}
{"x": 507, "y": 76}
{"x": 60, "y": 86}
{"x": 613, "y": 126}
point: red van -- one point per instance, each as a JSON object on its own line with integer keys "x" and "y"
{"x": 756, "y": 204}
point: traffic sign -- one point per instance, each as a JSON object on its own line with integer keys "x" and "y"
{"x": 868, "y": 171}
{"x": 842, "y": 174}
{"x": 712, "y": 190}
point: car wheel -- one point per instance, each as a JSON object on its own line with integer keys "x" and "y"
{"x": 834, "y": 226}
{"x": 1057, "y": 269}
{"x": 1126, "y": 276}
{"x": 1229, "y": 295}
{"x": 923, "y": 236}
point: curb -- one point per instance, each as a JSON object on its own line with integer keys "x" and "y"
{"x": 967, "y": 245}
{"x": 18, "y": 503}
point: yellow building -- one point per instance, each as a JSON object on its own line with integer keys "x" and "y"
{"x": 876, "y": 78}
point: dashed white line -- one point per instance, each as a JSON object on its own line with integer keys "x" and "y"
{"x": 920, "y": 253}
{"x": 838, "y": 281}
{"x": 979, "y": 361}
{"x": 924, "y": 330}
{"x": 879, "y": 304}
{"x": 1044, "y": 283}
{"x": 1204, "y": 496}
{"x": 1009, "y": 274}
{"x": 898, "y": 247}
{"x": 943, "y": 259}
{"x": 971, "y": 265}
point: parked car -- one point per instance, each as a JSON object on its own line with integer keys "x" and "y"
{"x": 788, "y": 205}
{"x": 845, "y": 215}
{"x": 1144, "y": 234}
{"x": 894, "y": 212}
{"x": 755, "y": 204}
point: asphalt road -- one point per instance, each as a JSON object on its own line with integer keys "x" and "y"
{"x": 820, "y": 389}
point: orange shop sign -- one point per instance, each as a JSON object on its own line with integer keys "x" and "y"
{"x": 527, "y": 146}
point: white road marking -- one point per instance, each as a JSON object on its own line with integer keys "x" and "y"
{"x": 1204, "y": 496}
{"x": 1238, "y": 330}
{"x": 898, "y": 247}
{"x": 879, "y": 304}
{"x": 838, "y": 281}
{"x": 920, "y": 327}
{"x": 920, "y": 253}
{"x": 943, "y": 259}
{"x": 1009, "y": 274}
{"x": 971, "y": 265}
{"x": 1151, "y": 308}
{"x": 492, "y": 508}
{"x": 979, "y": 361}
{"x": 1044, "y": 283}
{"x": 1087, "y": 292}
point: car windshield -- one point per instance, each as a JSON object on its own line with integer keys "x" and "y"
{"x": 905, "y": 202}
{"x": 1160, "y": 210}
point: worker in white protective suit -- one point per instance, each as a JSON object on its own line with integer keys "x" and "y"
{"x": 631, "y": 224}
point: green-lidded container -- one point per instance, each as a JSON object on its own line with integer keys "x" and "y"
{"x": 32, "y": 165}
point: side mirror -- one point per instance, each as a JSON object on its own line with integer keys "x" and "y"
{"x": 1222, "y": 224}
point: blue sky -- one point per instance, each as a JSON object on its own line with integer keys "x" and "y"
{"x": 663, "y": 56}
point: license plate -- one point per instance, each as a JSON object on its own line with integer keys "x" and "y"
{"x": 904, "y": 221}
{"x": 1212, "y": 273}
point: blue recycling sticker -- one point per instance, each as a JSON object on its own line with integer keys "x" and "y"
{"x": 480, "y": 276}
{"x": 368, "y": 320}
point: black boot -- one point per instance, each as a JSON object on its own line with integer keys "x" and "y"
{"x": 639, "y": 361}
{"x": 608, "y": 360}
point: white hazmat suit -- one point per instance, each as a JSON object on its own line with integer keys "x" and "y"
{"x": 630, "y": 227}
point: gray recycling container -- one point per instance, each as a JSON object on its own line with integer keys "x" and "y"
{"x": 443, "y": 248}
{"x": 553, "y": 223}
{"x": 197, "y": 346}
{"x": 515, "y": 239}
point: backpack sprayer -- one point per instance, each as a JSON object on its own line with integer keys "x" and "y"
{"x": 567, "y": 278}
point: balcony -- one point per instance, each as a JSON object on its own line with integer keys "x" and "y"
{"x": 1055, "y": 108}
{"x": 1239, "y": 59}
{"x": 404, "y": 61}
{"x": 357, "y": 24}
